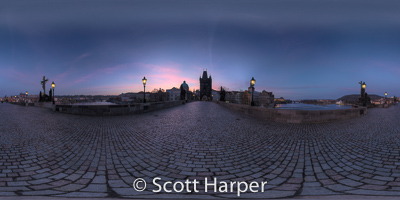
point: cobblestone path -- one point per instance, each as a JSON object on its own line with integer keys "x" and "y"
{"x": 47, "y": 153}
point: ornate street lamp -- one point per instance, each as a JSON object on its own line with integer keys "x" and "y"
{"x": 144, "y": 80}
{"x": 363, "y": 86}
{"x": 386, "y": 98}
{"x": 252, "y": 83}
{"x": 53, "y": 85}
{"x": 26, "y": 97}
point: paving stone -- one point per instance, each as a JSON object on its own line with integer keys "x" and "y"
{"x": 339, "y": 187}
{"x": 42, "y": 175}
{"x": 83, "y": 194}
{"x": 317, "y": 191}
{"x": 266, "y": 194}
{"x": 118, "y": 184}
{"x": 288, "y": 187}
{"x": 311, "y": 184}
{"x": 73, "y": 177}
{"x": 70, "y": 187}
{"x": 99, "y": 179}
{"x": 131, "y": 191}
{"x": 7, "y": 194}
{"x": 374, "y": 192}
{"x": 374, "y": 187}
{"x": 18, "y": 183}
{"x": 349, "y": 182}
{"x": 41, "y": 193}
{"x": 95, "y": 188}
{"x": 277, "y": 181}
{"x": 88, "y": 175}
{"x": 40, "y": 181}
{"x": 383, "y": 178}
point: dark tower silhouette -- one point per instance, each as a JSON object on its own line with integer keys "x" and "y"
{"x": 205, "y": 87}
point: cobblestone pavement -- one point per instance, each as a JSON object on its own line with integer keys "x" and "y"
{"x": 45, "y": 153}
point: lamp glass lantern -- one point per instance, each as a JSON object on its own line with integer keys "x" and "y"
{"x": 144, "y": 80}
{"x": 364, "y": 85}
{"x": 252, "y": 82}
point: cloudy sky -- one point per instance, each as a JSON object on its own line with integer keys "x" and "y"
{"x": 296, "y": 49}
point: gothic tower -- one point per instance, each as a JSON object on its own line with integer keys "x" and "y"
{"x": 205, "y": 87}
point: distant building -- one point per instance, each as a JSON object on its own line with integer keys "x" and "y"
{"x": 173, "y": 94}
{"x": 255, "y": 96}
{"x": 128, "y": 97}
{"x": 197, "y": 94}
{"x": 234, "y": 97}
{"x": 280, "y": 100}
{"x": 215, "y": 95}
{"x": 246, "y": 98}
{"x": 378, "y": 101}
{"x": 205, "y": 87}
{"x": 266, "y": 99}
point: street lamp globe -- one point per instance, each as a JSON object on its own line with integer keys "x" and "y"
{"x": 26, "y": 93}
{"x": 252, "y": 82}
{"x": 144, "y": 81}
{"x": 364, "y": 85}
{"x": 385, "y": 93}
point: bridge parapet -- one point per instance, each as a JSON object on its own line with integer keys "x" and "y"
{"x": 105, "y": 110}
{"x": 296, "y": 116}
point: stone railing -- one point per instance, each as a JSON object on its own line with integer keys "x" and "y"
{"x": 45, "y": 105}
{"x": 296, "y": 116}
{"x": 104, "y": 110}
{"x": 22, "y": 103}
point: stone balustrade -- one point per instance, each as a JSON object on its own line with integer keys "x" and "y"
{"x": 296, "y": 116}
{"x": 104, "y": 110}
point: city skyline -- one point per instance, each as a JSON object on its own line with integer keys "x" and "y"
{"x": 297, "y": 50}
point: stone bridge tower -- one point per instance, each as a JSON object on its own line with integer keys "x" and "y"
{"x": 205, "y": 87}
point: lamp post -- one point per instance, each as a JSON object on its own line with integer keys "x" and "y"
{"x": 252, "y": 83}
{"x": 144, "y": 80}
{"x": 385, "y": 97}
{"x": 53, "y": 85}
{"x": 364, "y": 86}
{"x": 26, "y": 97}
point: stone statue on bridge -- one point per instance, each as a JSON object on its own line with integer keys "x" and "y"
{"x": 43, "y": 96}
{"x": 44, "y": 84}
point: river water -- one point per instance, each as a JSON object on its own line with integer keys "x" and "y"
{"x": 303, "y": 106}
{"x": 95, "y": 103}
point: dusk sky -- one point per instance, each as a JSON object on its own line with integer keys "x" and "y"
{"x": 296, "y": 49}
